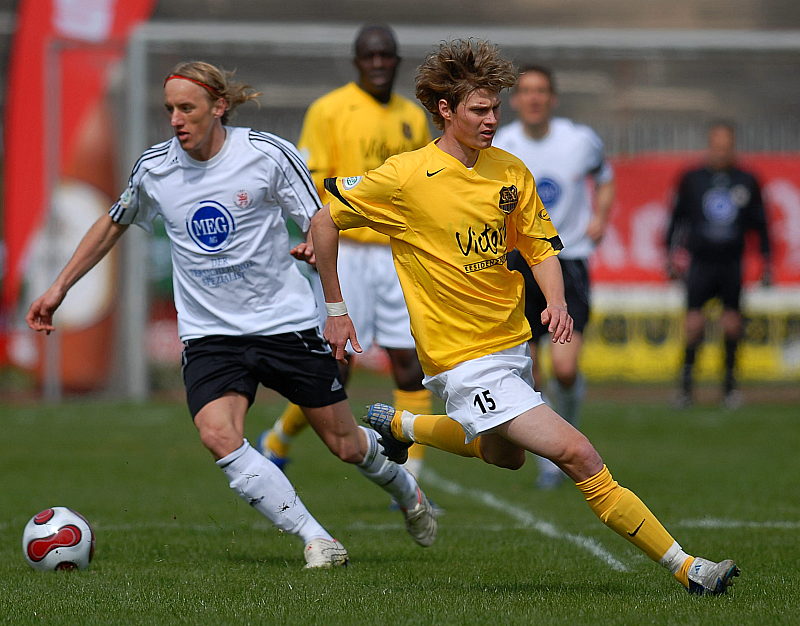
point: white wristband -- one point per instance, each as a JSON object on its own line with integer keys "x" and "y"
{"x": 336, "y": 309}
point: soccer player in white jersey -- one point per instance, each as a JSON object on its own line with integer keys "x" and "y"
{"x": 576, "y": 184}
{"x": 453, "y": 210}
{"x": 245, "y": 313}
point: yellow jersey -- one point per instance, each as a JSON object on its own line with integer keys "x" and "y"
{"x": 450, "y": 228}
{"x": 347, "y": 131}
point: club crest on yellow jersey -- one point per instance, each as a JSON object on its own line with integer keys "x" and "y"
{"x": 509, "y": 197}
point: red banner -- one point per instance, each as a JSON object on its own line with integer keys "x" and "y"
{"x": 61, "y": 58}
{"x": 633, "y": 249}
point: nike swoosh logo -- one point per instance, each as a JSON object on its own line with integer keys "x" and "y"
{"x": 633, "y": 534}
{"x": 429, "y": 174}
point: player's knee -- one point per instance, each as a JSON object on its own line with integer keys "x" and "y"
{"x": 581, "y": 457}
{"x": 218, "y": 440}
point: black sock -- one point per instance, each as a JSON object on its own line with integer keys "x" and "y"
{"x": 730, "y": 364}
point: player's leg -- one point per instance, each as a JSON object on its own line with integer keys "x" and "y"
{"x": 542, "y": 431}
{"x": 355, "y": 444}
{"x": 300, "y": 367}
{"x": 699, "y": 289}
{"x": 219, "y": 392}
{"x": 567, "y": 386}
{"x": 730, "y": 279}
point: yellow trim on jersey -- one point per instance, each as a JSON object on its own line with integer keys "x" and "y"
{"x": 348, "y": 132}
{"x": 450, "y": 229}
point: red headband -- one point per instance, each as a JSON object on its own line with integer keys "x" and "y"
{"x": 208, "y": 88}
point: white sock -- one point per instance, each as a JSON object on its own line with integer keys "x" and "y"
{"x": 388, "y": 475}
{"x": 264, "y": 487}
{"x": 674, "y": 558}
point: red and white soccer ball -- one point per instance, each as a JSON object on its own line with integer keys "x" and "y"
{"x": 58, "y": 538}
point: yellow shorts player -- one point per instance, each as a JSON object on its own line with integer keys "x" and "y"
{"x": 453, "y": 210}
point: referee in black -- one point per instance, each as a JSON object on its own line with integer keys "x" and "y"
{"x": 715, "y": 206}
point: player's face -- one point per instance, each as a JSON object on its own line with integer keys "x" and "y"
{"x": 376, "y": 60}
{"x": 721, "y": 147}
{"x": 194, "y": 118}
{"x": 533, "y": 99}
{"x": 474, "y": 121}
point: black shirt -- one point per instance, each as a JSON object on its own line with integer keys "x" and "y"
{"x": 713, "y": 211}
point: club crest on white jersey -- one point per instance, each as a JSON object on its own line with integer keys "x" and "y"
{"x": 210, "y": 225}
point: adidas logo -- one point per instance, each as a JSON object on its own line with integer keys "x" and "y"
{"x": 336, "y": 385}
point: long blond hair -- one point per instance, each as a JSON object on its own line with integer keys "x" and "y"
{"x": 217, "y": 82}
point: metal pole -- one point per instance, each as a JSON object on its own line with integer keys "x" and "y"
{"x": 52, "y": 387}
{"x": 134, "y": 298}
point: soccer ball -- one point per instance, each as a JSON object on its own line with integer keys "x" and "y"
{"x": 58, "y": 538}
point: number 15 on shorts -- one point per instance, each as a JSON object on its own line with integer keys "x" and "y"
{"x": 484, "y": 401}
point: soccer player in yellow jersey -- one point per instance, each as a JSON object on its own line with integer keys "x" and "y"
{"x": 452, "y": 211}
{"x": 355, "y": 128}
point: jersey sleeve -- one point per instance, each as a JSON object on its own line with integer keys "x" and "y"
{"x": 535, "y": 235}
{"x": 291, "y": 184}
{"x": 598, "y": 167}
{"x": 134, "y": 205}
{"x": 316, "y": 146}
{"x": 367, "y": 200}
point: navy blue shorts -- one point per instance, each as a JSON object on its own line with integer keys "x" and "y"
{"x": 298, "y": 365}
{"x": 576, "y": 290}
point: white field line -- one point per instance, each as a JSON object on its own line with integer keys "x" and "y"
{"x": 525, "y": 518}
{"x": 713, "y": 523}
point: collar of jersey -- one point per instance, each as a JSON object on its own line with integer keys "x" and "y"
{"x": 216, "y": 158}
{"x": 363, "y": 95}
{"x": 451, "y": 161}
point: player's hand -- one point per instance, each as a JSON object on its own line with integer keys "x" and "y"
{"x": 40, "y": 313}
{"x": 304, "y": 252}
{"x": 596, "y": 229}
{"x": 766, "y": 277}
{"x": 558, "y": 322}
{"x": 339, "y": 330}
{"x": 678, "y": 261}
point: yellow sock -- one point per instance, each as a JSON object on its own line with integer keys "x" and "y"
{"x": 437, "y": 431}
{"x": 291, "y": 422}
{"x": 683, "y": 573}
{"x": 624, "y": 513}
{"x": 414, "y": 402}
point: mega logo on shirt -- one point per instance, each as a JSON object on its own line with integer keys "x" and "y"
{"x": 549, "y": 191}
{"x": 210, "y": 225}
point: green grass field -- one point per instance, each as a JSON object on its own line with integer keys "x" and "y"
{"x": 175, "y": 545}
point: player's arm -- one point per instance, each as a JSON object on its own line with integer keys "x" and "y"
{"x": 603, "y": 200}
{"x": 338, "y": 327}
{"x": 676, "y": 233}
{"x": 96, "y": 243}
{"x": 548, "y": 276}
{"x": 759, "y": 223}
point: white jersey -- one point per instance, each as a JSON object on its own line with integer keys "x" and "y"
{"x": 560, "y": 163}
{"x": 225, "y": 218}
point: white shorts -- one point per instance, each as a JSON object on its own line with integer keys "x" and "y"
{"x": 483, "y": 393}
{"x": 373, "y": 295}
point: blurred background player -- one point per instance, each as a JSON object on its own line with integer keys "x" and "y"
{"x": 453, "y": 210}
{"x": 715, "y": 206}
{"x": 246, "y": 315}
{"x": 576, "y": 184}
{"x": 351, "y": 130}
